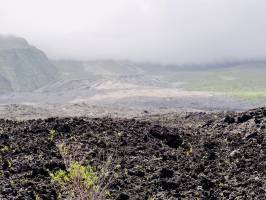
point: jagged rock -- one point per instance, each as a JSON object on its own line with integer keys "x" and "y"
{"x": 225, "y": 160}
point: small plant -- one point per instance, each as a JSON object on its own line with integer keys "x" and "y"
{"x": 37, "y": 197}
{"x": 189, "y": 149}
{"x": 79, "y": 182}
{"x": 52, "y": 134}
{"x": 4, "y": 149}
{"x": 63, "y": 149}
{"x": 185, "y": 148}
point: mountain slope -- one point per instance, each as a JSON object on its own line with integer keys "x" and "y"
{"x": 25, "y": 67}
{"x": 95, "y": 69}
{"x": 5, "y": 85}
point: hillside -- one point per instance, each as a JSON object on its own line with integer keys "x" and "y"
{"x": 95, "y": 69}
{"x": 5, "y": 85}
{"x": 132, "y": 85}
{"x": 22, "y": 66}
{"x": 235, "y": 85}
{"x": 174, "y": 156}
{"x": 239, "y": 80}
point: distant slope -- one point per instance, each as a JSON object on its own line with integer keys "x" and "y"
{"x": 25, "y": 67}
{"x": 71, "y": 69}
{"x": 241, "y": 79}
{"x": 75, "y": 69}
{"x": 5, "y": 85}
{"x": 245, "y": 81}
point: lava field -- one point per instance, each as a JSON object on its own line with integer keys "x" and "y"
{"x": 176, "y": 156}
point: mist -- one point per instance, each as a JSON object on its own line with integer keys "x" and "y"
{"x": 165, "y": 31}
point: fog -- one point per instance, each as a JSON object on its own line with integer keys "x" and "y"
{"x": 166, "y": 31}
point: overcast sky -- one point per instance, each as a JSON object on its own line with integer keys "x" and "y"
{"x": 171, "y": 31}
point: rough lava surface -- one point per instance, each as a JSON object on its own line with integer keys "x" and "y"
{"x": 172, "y": 156}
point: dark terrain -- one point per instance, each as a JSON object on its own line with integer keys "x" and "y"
{"x": 172, "y": 156}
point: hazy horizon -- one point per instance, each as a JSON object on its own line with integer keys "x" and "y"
{"x": 164, "y": 31}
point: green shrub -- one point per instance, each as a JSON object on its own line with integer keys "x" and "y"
{"x": 78, "y": 181}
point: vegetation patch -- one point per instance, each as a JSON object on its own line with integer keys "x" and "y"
{"x": 80, "y": 182}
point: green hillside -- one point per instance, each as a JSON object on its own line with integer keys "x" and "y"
{"x": 243, "y": 81}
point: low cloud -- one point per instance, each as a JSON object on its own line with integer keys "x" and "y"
{"x": 167, "y": 31}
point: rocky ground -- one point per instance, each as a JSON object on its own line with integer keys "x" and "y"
{"x": 168, "y": 156}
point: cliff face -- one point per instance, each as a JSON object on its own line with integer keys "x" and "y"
{"x": 24, "y": 67}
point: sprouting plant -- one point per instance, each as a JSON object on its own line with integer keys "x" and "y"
{"x": 64, "y": 151}
{"x": 5, "y": 149}
{"x": 63, "y": 148}
{"x": 189, "y": 149}
{"x": 185, "y": 148}
{"x": 37, "y": 197}
{"x": 52, "y": 134}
